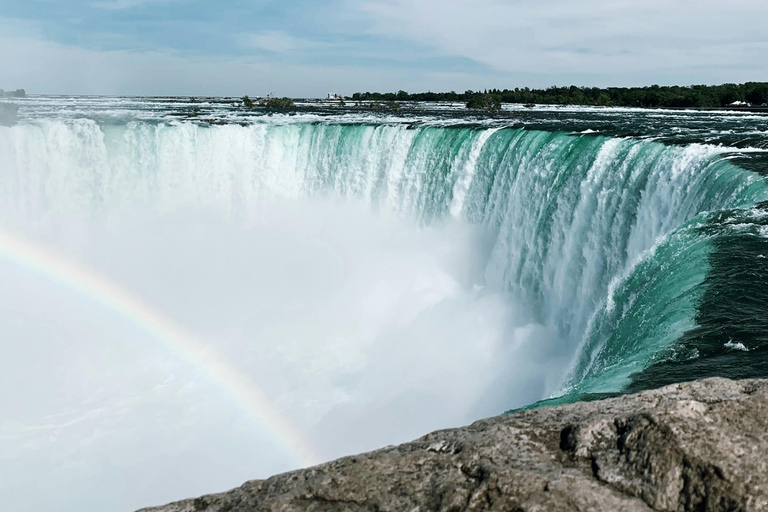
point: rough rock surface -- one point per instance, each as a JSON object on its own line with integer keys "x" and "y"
{"x": 700, "y": 446}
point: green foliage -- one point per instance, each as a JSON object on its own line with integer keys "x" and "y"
{"x": 247, "y": 102}
{"x": 485, "y": 101}
{"x": 755, "y": 93}
{"x": 378, "y": 105}
{"x": 276, "y": 103}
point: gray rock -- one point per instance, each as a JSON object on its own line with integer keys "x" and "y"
{"x": 699, "y": 446}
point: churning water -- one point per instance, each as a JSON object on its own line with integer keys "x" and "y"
{"x": 195, "y": 296}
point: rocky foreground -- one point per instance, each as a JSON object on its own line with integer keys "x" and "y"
{"x": 700, "y": 446}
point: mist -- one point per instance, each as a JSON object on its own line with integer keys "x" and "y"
{"x": 374, "y": 282}
{"x": 363, "y": 327}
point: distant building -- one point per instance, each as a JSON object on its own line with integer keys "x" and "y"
{"x": 335, "y": 96}
{"x": 739, "y": 104}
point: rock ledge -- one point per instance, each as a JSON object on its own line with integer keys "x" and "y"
{"x": 698, "y": 446}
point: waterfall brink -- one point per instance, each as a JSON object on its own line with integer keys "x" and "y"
{"x": 600, "y": 237}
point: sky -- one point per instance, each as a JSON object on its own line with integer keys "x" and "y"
{"x": 312, "y": 47}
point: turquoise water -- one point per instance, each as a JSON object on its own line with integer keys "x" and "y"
{"x": 635, "y": 237}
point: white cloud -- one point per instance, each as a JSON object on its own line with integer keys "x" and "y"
{"x": 563, "y": 37}
{"x": 44, "y": 67}
{"x": 407, "y": 44}
{"x": 116, "y": 5}
{"x": 279, "y": 42}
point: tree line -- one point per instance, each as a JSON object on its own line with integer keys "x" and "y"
{"x": 18, "y": 93}
{"x": 269, "y": 102}
{"x": 752, "y": 93}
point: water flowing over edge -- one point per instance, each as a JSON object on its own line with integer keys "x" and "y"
{"x": 604, "y": 239}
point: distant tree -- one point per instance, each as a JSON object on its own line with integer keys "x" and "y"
{"x": 730, "y": 93}
{"x": 248, "y": 102}
{"x": 281, "y": 103}
{"x": 485, "y": 101}
{"x": 755, "y": 93}
{"x": 603, "y": 100}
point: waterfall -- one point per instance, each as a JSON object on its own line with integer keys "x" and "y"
{"x": 596, "y": 235}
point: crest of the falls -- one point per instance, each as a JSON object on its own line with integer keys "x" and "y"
{"x": 375, "y": 278}
{"x": 596, "y": 236}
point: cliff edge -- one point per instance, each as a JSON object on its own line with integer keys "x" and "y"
{"x": 698, "y": 446}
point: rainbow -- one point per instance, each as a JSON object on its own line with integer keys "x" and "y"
{"x": 233, "y": 382}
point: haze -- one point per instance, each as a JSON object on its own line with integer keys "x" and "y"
{"x": 308, "y": 48}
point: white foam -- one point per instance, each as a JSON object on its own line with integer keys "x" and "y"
{"x": 736, "y": 345}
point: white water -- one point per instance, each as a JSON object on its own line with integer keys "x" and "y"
{"x": 378, "y": 282}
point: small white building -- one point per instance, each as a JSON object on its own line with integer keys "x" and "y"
{"x": 335, "y": 96}
{"x": 739, "y": 104}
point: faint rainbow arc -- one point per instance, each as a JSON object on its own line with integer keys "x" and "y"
{"x": 236, "y": 384}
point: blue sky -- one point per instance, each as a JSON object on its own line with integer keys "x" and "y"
{"x": 310, "y": 47}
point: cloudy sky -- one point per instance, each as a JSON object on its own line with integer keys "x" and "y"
{"x": 311, "y": 47}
